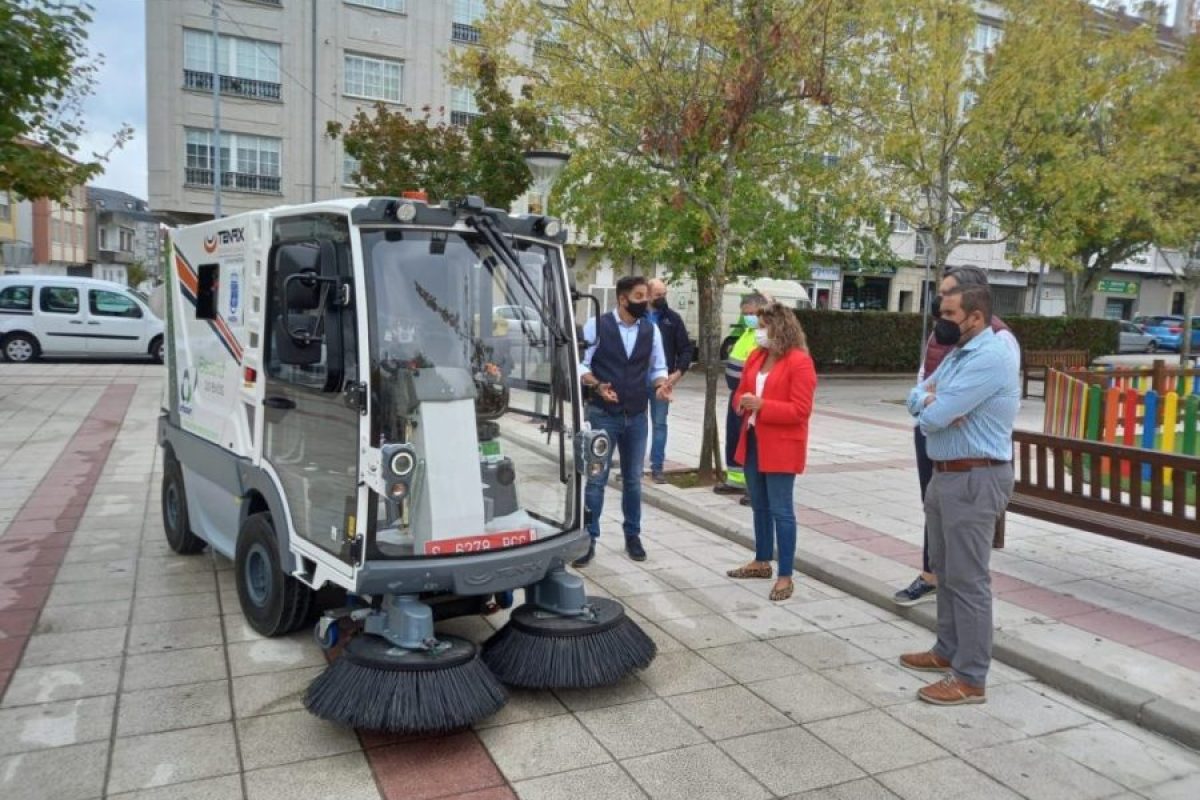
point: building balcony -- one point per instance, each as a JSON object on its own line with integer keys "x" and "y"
{"x": 462, "y": 119}
{"x": 234, "y": 181}
{"x": 467, "y": 34}
{"x": 238, "y": 87}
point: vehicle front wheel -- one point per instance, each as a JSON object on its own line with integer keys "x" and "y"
{"x": 21, "y": 348}
{"x": 175, "y": 513}
{"x": 274, "y": 603}
{"x": 158, "y": 350}
{"x": 1152, "y": 346}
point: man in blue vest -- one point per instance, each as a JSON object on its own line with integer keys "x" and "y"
{"x": 624, "y": 363}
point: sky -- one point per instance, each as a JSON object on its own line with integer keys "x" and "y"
{"x": 118, "y": 33}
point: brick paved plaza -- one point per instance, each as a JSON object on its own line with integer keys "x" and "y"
{"x": 126, "y": 671}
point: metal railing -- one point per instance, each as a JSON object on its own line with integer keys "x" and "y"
{"x": 237, "y": 181}
{"x": 462, "y": 119}
{"x": 468, "y": 34}
{"x": 242, "y": 87}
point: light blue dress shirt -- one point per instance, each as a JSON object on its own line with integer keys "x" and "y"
{"x": 977, "y": 384}
{"x": 658, "y": 356}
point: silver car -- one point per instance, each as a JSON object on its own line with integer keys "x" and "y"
{"x": 1135, "y": 340}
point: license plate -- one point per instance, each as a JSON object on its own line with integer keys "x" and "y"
{"x": 480, "y": 544}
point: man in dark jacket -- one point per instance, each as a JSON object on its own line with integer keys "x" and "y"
{"x": 678, "y": 350}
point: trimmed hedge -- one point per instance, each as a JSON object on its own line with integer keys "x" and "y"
{"x": 887, "y": 341}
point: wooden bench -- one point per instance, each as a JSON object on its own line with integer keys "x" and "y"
{"x": 1035, "y": 363}
{"x": 1080, "y": 484}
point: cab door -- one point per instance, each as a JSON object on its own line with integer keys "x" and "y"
{"x": 59, "y": 322}
{"x": 115, "y": 324}
{"x": 311, "y": 422}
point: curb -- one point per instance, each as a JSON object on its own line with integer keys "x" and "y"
{"x": 1115, "y": 695}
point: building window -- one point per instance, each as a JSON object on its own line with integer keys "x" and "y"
{"x": 126, "y": 240}
{"x": 248, "y": 67}
{"x": 383, "y": 5}
{"x": 1177, "y": 304}
{"x": 979, "y": 228}
{"x": 248, "y": 163}
{"x": 5, "y": 207}
{"x": 350, "y": 168}
{"x": 374, "y": 78}
{"x": 104, "y": 238}
{"x": 1012, "y": 246}
{"x": 467, "y": 14}
{"x": 463, "y": 107}
{"x": 898, "y": 223}
{"x": 920, "y": 247}
{"x": 987, "y": 36}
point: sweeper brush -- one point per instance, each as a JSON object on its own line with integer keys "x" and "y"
{"x": 543, "y": 650}
{"x": 374, "y": 685}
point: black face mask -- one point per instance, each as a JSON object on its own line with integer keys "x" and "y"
{"x": 946, "y": 332}
{"x": 659, "y": 303}
{"x": 636, "y": 310}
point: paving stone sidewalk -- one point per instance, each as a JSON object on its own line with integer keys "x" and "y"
{"x": 126, "y": 671}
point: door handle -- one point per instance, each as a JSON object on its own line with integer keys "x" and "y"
{"x": 93, "y": 322}
{"x": 76, "y": 322}
{"x": 281, "y": 403}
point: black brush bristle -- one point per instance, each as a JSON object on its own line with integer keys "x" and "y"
{"x": 373, "y": 686}
{"x": 535, "y": 651}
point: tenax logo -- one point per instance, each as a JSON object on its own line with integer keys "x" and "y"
{"x": 224, "y": 238}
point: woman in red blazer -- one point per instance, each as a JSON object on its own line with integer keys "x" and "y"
{"x": 775, "y": 400}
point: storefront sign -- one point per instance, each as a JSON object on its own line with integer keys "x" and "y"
{"x": 826, "y": 273}
{"x": 1119, "y": 287}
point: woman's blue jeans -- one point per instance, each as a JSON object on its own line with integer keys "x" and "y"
{"x": 771, "y": 499}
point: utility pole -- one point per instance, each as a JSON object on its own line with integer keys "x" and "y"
{"x": 216, "y": 94}
{"x": 925, "y": 234}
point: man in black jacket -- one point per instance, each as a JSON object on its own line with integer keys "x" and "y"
{"x": 678, "y": 349}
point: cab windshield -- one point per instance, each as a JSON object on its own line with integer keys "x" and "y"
{"x": 469, "y": 364}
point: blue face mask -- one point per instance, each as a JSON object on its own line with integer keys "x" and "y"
{"x": 751, "y": 320}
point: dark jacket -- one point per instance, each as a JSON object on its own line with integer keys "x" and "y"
{"x": 627, "y": 374}
{"x": 676, "y": 345}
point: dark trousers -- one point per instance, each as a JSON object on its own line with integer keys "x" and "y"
{"x": 925, "y": 475}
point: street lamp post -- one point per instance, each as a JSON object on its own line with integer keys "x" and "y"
{"x": 545, "y": 166}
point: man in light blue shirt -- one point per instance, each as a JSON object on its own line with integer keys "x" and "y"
{"x": 966, "y": 409}
{"x": 623, "y": 364}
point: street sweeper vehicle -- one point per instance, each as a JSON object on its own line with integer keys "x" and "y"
{"x": 351, "y": 409}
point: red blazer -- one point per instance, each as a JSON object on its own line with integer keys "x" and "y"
{"x": 782, "y": 423}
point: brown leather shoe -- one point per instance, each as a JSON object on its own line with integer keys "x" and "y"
{"x": 950, "y": 691}
{"x": 928, "y": 661}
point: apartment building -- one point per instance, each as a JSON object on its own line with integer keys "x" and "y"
{"x": 285, "y": 68}
{"x": 122, "y": 231}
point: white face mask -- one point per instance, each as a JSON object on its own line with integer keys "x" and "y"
{"x": 761, "y": 338}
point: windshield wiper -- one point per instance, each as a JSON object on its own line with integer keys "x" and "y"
{"x": 487, "y": 229}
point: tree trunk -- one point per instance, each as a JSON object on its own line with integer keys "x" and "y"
{"x": 1080, "y": 287}
{"x": 710, "y": 288}
{"x": 1185, "y": 343}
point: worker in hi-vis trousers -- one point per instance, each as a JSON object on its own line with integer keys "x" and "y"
{"x": 735, "y": 479}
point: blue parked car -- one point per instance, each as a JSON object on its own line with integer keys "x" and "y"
{"x": 1168, "y": 331}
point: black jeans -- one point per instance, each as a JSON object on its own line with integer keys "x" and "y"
{"x": 925, "y": 475}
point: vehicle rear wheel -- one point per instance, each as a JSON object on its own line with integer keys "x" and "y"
{"x": 158, "y": 350}
{"x": 175, "y": 514}
{"x": 274, "y": 603}
{"x": 21, "y": 348}
{"x": 1152, "y": 346}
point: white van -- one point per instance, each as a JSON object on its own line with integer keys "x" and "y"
{"x": 52, "y": 315}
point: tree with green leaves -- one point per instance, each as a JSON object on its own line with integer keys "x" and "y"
{"x": 934, "y": 104}
{"x": 397, "y": 152}
{"x": 1091, "y": 157}
{"x": 46, "y": 76}
{"x": 693, "y": 139}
